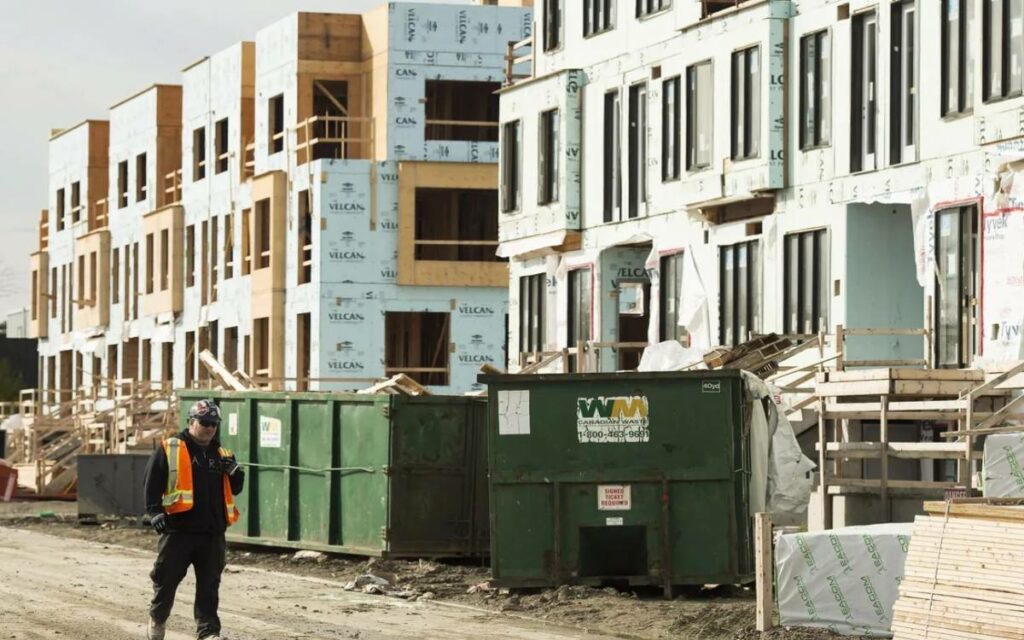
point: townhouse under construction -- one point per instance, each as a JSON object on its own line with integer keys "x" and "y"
{"x": 318, "y": 209}
{"x": 708, "y": 171}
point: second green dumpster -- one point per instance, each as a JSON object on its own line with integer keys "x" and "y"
{"x": 377, "y": 475}
{"x": 627, "y": 477}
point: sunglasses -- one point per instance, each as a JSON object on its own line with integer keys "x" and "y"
{"x": 209, "y": 424}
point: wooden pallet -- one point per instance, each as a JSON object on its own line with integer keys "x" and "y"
{"x": 964, "y": 575}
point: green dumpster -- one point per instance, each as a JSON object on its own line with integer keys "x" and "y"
{"x": 375, "y": 475}
{"x": 638, "y": 478}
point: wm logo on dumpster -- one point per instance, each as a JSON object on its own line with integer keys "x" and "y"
{"x": 613, "y": 419}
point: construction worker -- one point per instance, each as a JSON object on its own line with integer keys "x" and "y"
{"x": 190, "y": 487}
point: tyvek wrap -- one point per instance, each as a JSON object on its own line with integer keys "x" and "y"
{"x": 845, "y": 580}
{"x": 1003, "y": 470}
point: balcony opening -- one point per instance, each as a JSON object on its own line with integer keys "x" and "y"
{"x": 417, "y": 344}
{"x": 204, "y": 345}
{"x": 246, "y": 242}
{"x": 333, "y": 129}
{"x": 204, "y": 263}
{"x": 461, "y": 110}
{"x": 214, "y": 252}
{"x": 456, "y": 224}
{"x": 229, "y": 246}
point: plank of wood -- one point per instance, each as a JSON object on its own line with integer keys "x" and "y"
{"x": 764, "y": 570}
{"x": 972, "y": 510}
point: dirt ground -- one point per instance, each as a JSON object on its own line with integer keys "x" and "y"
{"x": 716, "y": 614}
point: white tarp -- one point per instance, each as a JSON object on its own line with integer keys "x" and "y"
{"x": 845, "y": 580}
{"x": 1003, "y": 473}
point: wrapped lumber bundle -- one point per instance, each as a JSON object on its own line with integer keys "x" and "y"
{"x": 1004, "y": 465}
{"x": 964, "y": 575}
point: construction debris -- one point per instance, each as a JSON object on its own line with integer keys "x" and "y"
{"x": 397, "y": 384}
{"x": 220, "y": 372}
{"x": 759, "y": 356}
{"x": 963, "y": 574}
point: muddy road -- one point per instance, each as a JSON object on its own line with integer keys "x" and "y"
{"x": 53, "y": 587}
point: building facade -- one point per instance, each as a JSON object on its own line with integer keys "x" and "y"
{"x": 317, "y": 208}
{"x": 702, "y": 171}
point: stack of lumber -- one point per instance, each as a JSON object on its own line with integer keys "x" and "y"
{"x": 964, "y": 575}
{"x": 759, "y": 356}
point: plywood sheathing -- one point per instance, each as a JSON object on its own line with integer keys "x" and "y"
{"x": 268, "y": 284}
{"x": 170, "y": 300}
{"x": 445, "y": 175}
{"x": 168, "y": 133}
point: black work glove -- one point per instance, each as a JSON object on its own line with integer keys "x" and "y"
{"x": 229, "y": 465}
{"x": 159, "y": 522}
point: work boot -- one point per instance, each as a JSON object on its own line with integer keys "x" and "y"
{"x": 155, "y": 631}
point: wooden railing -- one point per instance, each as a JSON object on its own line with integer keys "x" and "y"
{"x": 44, "y": 231}
{"x": 335, "y": 137}
{"x": 101, "y": 214}
{"x": 172, "y": 188}
{"x": 517, "y": 56}
{"x": 248, "y": 160}
{"x": 926, "y": 334}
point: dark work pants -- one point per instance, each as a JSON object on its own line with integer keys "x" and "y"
{"x": 175, "y": 552}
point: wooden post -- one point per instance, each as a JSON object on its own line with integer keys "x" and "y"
{"x": 565, "y": 361}
{"x": 840, "y": 347}
{"x": 764, "y": 562}
{"x": 928, "y": 334}
{"x": 581, "y": 353}
{"x": 826, "y": 502}
{"x": 883, "y": 457}
{"x": 969, "y": 444}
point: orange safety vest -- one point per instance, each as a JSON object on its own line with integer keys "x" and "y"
{"x": 178, "y": 496}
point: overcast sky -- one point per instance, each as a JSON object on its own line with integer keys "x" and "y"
{"x": 62, "y": 61}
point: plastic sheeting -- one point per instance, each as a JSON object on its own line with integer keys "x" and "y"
{"x": 1003, "y": 470}
{"x": 845, "y": 580}
{"x": 781, "y": 481}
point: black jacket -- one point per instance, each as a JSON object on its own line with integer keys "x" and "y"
{"x": 207, "y": 512}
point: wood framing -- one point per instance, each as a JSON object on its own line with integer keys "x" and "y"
{"x": 163, "y": 232}
{"x": 39, "y": 309}
{"x": 267, "y": 233}
{"x": 417, "y": 175}
{"x": 92, "y": 287}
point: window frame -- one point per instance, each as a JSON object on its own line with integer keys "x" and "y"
{"x": 753, "y": 287}
{"x": 695, "y": 116}
{"x": 647, "y": 8}
{"x": 745, "y": 99}
{"x": 511, "y": 166}
{"x": 611, "y": 171}
{"x": 820, "y": 79}
{"x": 199, "y": 153}
{"x": 1006, "y": 90}
{"x": 532, "y": 307}
{"x": 965, "y": 59}
{"x": 579, "y": 309}
{"x": 595, "y": 11}
{"x": 553, "y": 25}
{"x": 864, "y": 125}
{"x": 904, "y": 99}
{"x": 638, "y": 117}
{"x": 795, "y": 283}
{"x": 548, "y": 158}
{"x": 670, "y": 263}
{"x": 671, "y": 121}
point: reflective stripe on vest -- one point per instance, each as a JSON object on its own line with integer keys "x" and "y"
{"x": 178, "y": 496}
